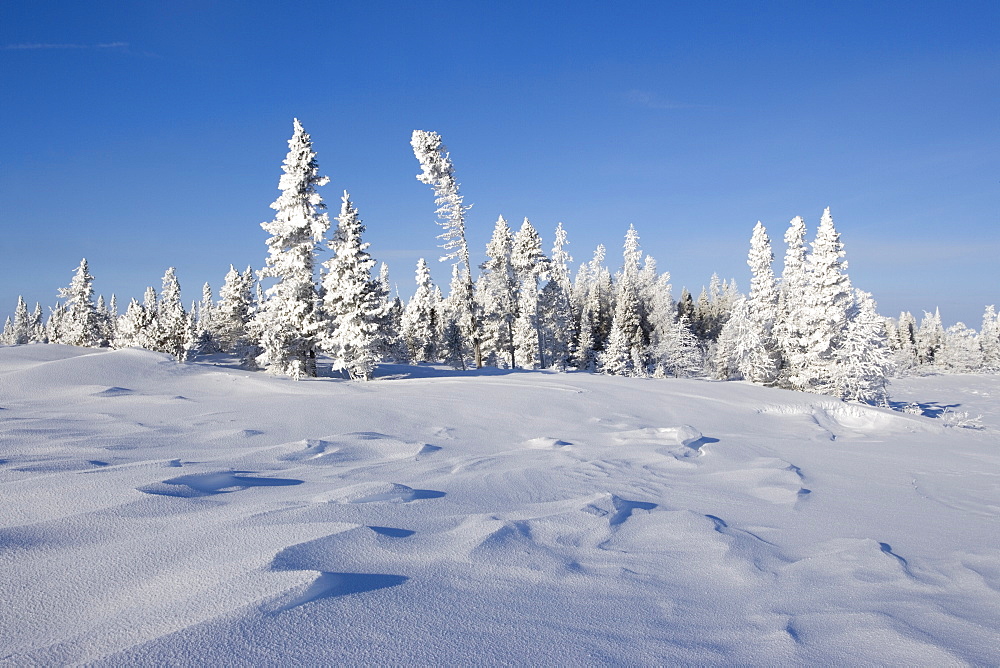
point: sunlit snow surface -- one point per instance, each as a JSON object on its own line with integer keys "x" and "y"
{"x": 191, "y": 514}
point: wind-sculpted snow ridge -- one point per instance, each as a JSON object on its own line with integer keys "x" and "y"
{"x": 485, "y": 519}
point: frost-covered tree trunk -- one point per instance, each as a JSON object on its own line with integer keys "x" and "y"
{"x": 353, "y": 300}
{"x": 439, "y": 173}
{"x": 287, "y": 323}
{"x": 420, "y": 318}
{"x": 81, "y": 324}
{"x": 863, "y": 361}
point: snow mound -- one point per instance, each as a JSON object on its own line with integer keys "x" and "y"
{"x": 354, "y": 448}
{"x": 544, "y": 443}
{"x": 377, "y": 492}
{"x": 840, "y": 418}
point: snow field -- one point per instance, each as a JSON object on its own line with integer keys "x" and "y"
{"x": 156, "y": 512}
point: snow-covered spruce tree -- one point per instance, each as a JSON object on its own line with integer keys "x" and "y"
{"x": 556, "y": 314}
{"x": 742, "y": 348}
{"x": 763, "y": 298}
{"x": 863, "y": 360}
{"x": 594, "y": 294}
{"x": 132, "y": 326}
{"x": 234, "y": 311}
{"x": 791, "y": 328}
{"x": 206, "y": 323}
{"x": 530, "y": 266}
{"x": 38, "y": 334}
{"x": 673, "y": 350}
{"x": 353, "y": 300}
{"x": 904, "y": 343}
{"x": 171, "y": 318}
{"x": 287, "y": 323}
{"x": 989, "y": 340}
{"x": 496, "y": 295}
{"x": 21, "y": 328}
{"x": 81, "y": 325}
{"x": 453, "y": 348}
{"x": 439, "y": 173}
{"x": 930, "y": 338}
{"x": 828, "y": 303}
{"x": 55, "y": 326}
{"x": 961, "y": 352}
{"x": 624, "y": 354}
{"x": 746, "y": 346}
{"x": 420, "y": 318}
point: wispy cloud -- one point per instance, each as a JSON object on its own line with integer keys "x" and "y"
{"x": 41, "y": 45}
{"x": 649, "y": 100}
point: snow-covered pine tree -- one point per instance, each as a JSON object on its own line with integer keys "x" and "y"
{"x": 171, "y": 318}
{"x": 206, "y": 322}
{"x": 930, "y": 338}
{"x": 81, "y": 326}
{"x": 763, "y": 296}
{"x": 55, "y": 326}
{"x": 530, "y": 266}
{"x": 234, "y": 311}
{"x": 556, "y": 313}
{"x": 132, "y": 326}
{"x": 594, "y": 294}
{"x": 420, "y": 318}
{"x": 989, "y": 340}
{"x": 453, "y": 348}
{"x": 791, "y": 329}
{"x": 863, "y": 360}
{"x": 747, "y": 348}
{"x": 287, "y": 323}
{"x": 741, "y": 351}
{"x": 438, "y": 171}
{"x": 150, "y": 336}
{"x": 104, "y": 321}
{"x": 904, "y": 344}
{"x": 353, "y": 300}
{"x": 7, "y": 336}
{"x": 829, "y": 301}
{"x": 496, "y": 295}
{"x": 38, "y": 334}
{"x": 961, "y": 352}
{"x": 673, "y": 349}
{"x": 21, "y": 329}
{"x": 625, "y": 354}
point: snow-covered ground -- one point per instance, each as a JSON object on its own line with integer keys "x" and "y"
{"x": 191, "y": 514}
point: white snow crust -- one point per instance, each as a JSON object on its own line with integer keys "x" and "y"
{"x": 156, "y": 513}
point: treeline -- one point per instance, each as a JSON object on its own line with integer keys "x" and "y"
{"x": 808, "y": 329}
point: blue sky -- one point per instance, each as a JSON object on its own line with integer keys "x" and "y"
{"x": 150, "y": 134}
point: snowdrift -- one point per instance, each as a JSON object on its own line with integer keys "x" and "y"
{"x": 190, "y": 514}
